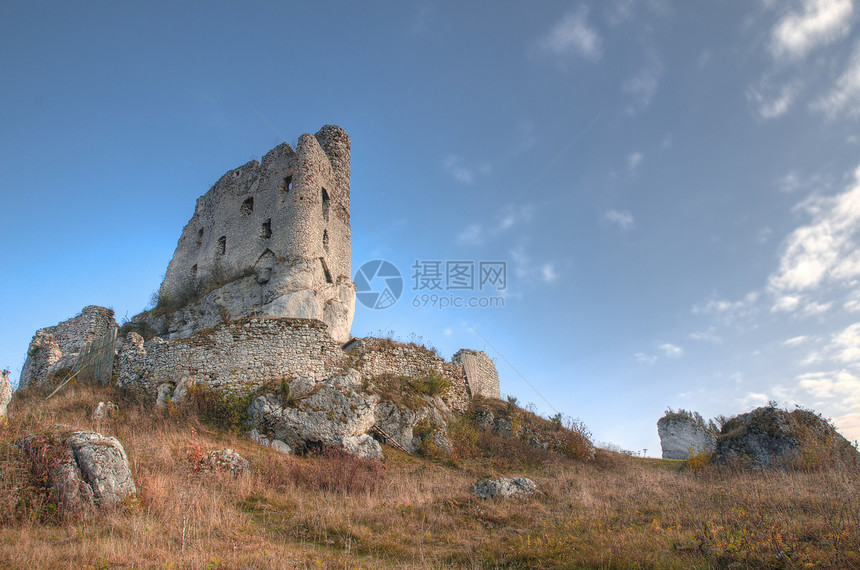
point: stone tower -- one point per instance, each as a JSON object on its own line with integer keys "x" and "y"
{"x": 270, "y": 239}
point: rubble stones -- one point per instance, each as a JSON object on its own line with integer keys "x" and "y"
{"x": 504, "y": 488}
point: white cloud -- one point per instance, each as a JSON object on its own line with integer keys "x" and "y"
{"x": 529, "y": 271}
{"x": 646, "y": 359}
{"x": 771, "y": 101}
{"x": 821, "y": 22}
{"x": 463, "y": 171}
{"x": 795, "y": 341}
{"x": 547, "y": 273}
{"x": 573, "y": 35}
{"x": 643, "y": 85}
{"x": 844, "y": 98}
{"x": 671, "y": 350}
{"x": 817, "y": 252}
{"x": 622, "y": 218}
{"x": 708, "y": 335}
{"x": 847, "y": 344}
{"x": 814, "y": 308}
{"x": 728, "y": 310}
{"x": 754, "y": 400}
{"x": 634, "y": 160}
{"x": 831, "y": 384}
{"x": 785, "y": 304}
{"x": 789, "y": 183}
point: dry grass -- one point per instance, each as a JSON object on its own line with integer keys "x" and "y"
{"x": 294, "y": 512}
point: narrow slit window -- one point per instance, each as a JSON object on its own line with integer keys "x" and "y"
{"x": 327, "y": 273}
{"x": 266, "y": 229}
{"x": 326, "y": 203}
{"x": 199, "y": 237}
{"x": 194, "y": 271}
{"x": 222, "y": 245}
{"x": 248, "y": 206}
{"x": 325, "y": 240}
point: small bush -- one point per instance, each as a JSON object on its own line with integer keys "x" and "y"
{"x": 333, "y": 470}
{"x": 220, "y": 409}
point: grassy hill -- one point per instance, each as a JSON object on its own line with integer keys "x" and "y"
{"x": 330, "y": 510}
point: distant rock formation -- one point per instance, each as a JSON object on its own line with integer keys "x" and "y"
{"x": 769, "y": 436}
{"x": 680, "y": 434}
{"x": 57, "y": 347}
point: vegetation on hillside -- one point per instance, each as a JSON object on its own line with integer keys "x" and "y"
{"x": 331, "y": 510}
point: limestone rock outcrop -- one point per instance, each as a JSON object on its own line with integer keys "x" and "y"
{"x": 5, "y": 394}
{"x": 504, "y": 488}
{"x": 85, "y": 471}
{"x": 680, "y": 434}
{"x": 769, "y": 436}
{"x": 57, "y": 347}
{"x": 225, "y": 461}
{"x": 269, "y": 239}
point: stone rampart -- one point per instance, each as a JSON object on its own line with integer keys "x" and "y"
{"x": 56, "y": 347}
{"x": 482, "y": 377}
{"x": 233, "y": 356}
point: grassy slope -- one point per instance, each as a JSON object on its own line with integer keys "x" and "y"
{"x": 289, "y": 512}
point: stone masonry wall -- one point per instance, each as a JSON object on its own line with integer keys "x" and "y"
{"x": 56, "y": 347}
{"x": 244, "y": 354}
{"x": 273, "y": 238}
{"x": 480, "y": 370}
{"x": 382, "y": 356}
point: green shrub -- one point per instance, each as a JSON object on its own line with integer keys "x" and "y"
{"x": 220, "y": 409}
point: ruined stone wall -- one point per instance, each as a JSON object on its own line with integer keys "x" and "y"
{"x": 236, "y": 355}
{"x": 56, "y": 347}
{"x": 270, "y": 238}
{"x": 382, "y": 356}
{"x": 480, "y": 371}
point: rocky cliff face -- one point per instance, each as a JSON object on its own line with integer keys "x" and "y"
{"x": 769, "y": 436}
{"x": 680, "y": 434}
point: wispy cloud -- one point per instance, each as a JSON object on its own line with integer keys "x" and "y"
{"x": 463, "y": 171}
{"x": 634, "y": 160}
{"x": 646, "y": 359}
{"x": 820, "y": 22}
{"x": 844, "y": 98}
{"x": 642, "y": 86}
{"x": 671, "y": 350}
{"x": 709, "y": 335}
{"x": 531, "y": 271}
{"x": 771, "y": 101}
{"x": 621, "y": 218}
{"x": 795, "y": 341}
{"x": 821, "y": 251}
{"x": 573, "y": 35}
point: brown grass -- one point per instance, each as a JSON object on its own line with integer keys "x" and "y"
{"x": 295, "y": 512}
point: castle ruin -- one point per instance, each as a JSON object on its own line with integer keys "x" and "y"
{"x": 269, "y": 239}
{"x": 258, "y": 301}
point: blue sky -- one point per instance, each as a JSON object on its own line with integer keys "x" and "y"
{"x": 674, "y": 186}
